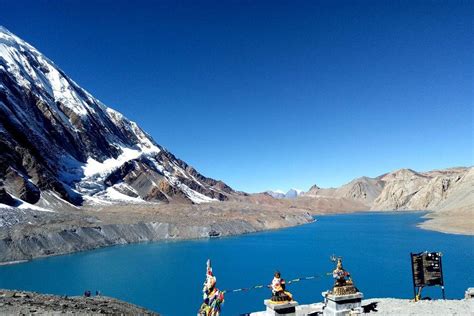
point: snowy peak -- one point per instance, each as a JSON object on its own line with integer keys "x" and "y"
{"x": 56, "y": 137}
{"x": 61, "y": 98}
{"x": 278, "y": 194}
{"x": 293, "y": 193}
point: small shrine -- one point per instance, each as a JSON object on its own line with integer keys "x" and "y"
{"x": 344, "y": 298}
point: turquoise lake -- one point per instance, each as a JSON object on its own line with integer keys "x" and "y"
{"x": 167, "y": 276}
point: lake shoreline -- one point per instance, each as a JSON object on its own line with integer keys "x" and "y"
{"x": 60, "y": 234}
{"x": 441, "y": 222}
{"x": 7, "y": 263}
{"x": 449, "y": 223}
{"x": 107, "y": 235}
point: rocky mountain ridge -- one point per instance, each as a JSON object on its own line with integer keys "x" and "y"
{"x": 362, "y": 189}
{"x": 61, "y": 146}
{"x": 406, "y": 189}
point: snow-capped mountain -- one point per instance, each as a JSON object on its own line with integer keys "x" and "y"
{"x": 58, "y": 142}
{"x": 278, "y": 194}
{"x": 293, "y": 193}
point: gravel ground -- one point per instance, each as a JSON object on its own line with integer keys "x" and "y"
{"x": 392, "y": 306}
{"x": 30, "y": 303}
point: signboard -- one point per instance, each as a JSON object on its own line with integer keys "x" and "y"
{"x": 417, "y": 269}
{"x": 427, "y": 269}
{"x": 433, "y": 269}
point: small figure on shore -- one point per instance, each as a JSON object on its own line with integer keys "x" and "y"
{"x": 97, "y": 293}
{"x": 279, "y": 293}
{"x": 87, "y": 293}
{"x": 213, "y": 298}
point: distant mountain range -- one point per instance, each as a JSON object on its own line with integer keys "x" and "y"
{"x": 406, "y": 189}
{"x": 61, "y": 146}
{"x": 291, "y": 194}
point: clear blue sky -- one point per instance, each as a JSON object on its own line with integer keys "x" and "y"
{"x": 273, "y": 95}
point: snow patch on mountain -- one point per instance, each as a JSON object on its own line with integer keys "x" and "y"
{"x": 196, "y": 197}
{"x": 98, "y": 169}
{"x": 22, "y": 205}
{"x": 112, "y": 194}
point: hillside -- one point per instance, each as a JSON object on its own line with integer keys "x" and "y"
{"x": 449, "y": 193}
{"x": 363, "y": 190}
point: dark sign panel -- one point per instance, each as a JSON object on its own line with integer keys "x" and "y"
{"x": 417, "y": 268}
{"x": 433, "y": 269}
{"x": 427, "y": 269}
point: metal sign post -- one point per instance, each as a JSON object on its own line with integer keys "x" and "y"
{"x": 427, "y": 270}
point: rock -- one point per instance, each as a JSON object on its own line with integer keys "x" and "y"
{"x": 6, "y": 198}
{"x": 19, "y": 185}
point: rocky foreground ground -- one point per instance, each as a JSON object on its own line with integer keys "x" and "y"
{"x": 29, "y": 303}
{"x": 392, "y": 307}
{"x": 397, "y": 307}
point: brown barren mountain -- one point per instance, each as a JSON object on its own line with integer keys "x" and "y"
{"x": 448, "y": 193}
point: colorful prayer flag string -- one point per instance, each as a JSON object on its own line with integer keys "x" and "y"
{"x": 265, "y": 286}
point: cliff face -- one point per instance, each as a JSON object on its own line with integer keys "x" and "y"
{"x": 456, "y": 191}
{"x": 400, "y": 186}
{"x": 454, "y": 208}
{"x": 407, "y": 189}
